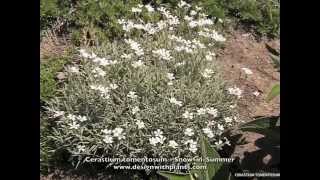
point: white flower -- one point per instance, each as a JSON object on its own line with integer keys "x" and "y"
{"x": 182, "y": 4}
{"x": 211, "y": 123}
{"x": 170, "y": 83}
{"x": 198, "y": 44}
{"x": 84, "y": 53}
{"x": 73, "y": 69}
{"x": 81, "y": 148}
{"x": 188, "y": 18}
{"x": 107, "y": 131}
{"x": 213, "y": 35}
{"x": 163, "y": 54}
{"x": 170, "y": 76}
{"x": 140, "y": 124}
{"x": 173, "y": 144}
{"x": 187, "y": 115}
{"x": 135, "y": 10}
{"x": 138, "y": 63}
{"x": 227, "y": 142}
{"x": 126, "y": 56}
{"x": 220, "y": 127}
{"x": 235, "y": 91}
{"x": 175, "y": 101}
{"x": 82, "y": 118}
{"x": 117, "y": 132}
{"x": 58, "y": 114}
{"x": 135, "y": 46}
{"x": 157, "y": 139}
{"x": 149, "y": 8}
{"x": 207, "y": 73}
{"x": 98, "y": 71}
{"x": 172, "y": 20}
{"x": 72, "y": 117}
{"x": 180, "y": 64}
{"x": 183, "y": 48}
{"x": 153, "y": 141}
{"x": 193, "y": 13}
{"x": 189, "y": 132}
{"x": 161, "y": 139}
{"x": 201, "y": 111}
{"x": 132, "y": 95}
{"x": 96, "y": 59}
{"x": 212, "y": 111}
{"x": 228, "y": 119}
{"x": 210, "y": 135}
{"x": 92, "y": 56}
{"x": 126, "y": 25}
{"x": 256, "y": 93}
{"x": 73, "y": 125}
{"x": 210, "y": 56}
{"x": 135, "y": 110}
{"x": 193, "y": 146}
{"x": 219, "y": 144}
{"x": 108, "y": 139}
{"x": 198, "y": 8}
{"x": 158, "y": 133}
{"x": 104, "y": 91}
{"x": 200, "y": 22}
{"x": 161, "y": 25}
{"x": 105, "y": 62}
{"x": 94, "y": 87}
{"x": 113, "y": 86}
{"x": 247, "y": 71}
{"x": 208, "y": 132}
{"x": 233, "y": 106}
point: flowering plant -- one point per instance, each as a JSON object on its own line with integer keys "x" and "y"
{"x": 148, "y": 95}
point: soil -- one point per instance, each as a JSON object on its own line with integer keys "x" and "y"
{"x": 243, "y": 51}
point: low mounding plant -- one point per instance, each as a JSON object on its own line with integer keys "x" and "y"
{"x": 149, "y": 95}
{"x": 262, "y": 16}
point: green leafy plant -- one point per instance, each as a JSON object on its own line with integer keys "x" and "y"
{"x": 152, "y": 94}
{"x": 275, "y": 56}
{"x": 275, "y": 91}
{"x": 48, "y": 72}
{"x": 213, "y": 171}
{"x": 263, "y": 16}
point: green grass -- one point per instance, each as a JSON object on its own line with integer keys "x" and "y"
{"x": 48, "y": 72}
{"x": 88, "y": 20}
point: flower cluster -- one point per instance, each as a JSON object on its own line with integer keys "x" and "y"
{"x": 109, "y": 135}
{"x": 135, "y": 46}
{"x": 186, "y": 45}
{"x": 75, "y": 120}
{"x": 212, "y": 34}
{"x": 157, "y": 138}
{"x": 235, "y": 91}
{"x": 153, "y": 99}
{"x": 207, "y": 73}
{"x": 163, "y": 54}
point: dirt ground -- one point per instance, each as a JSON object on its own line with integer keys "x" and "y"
{"x": 243, "y": 51}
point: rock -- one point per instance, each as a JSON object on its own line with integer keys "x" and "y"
{"x": 61, "y": 76}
